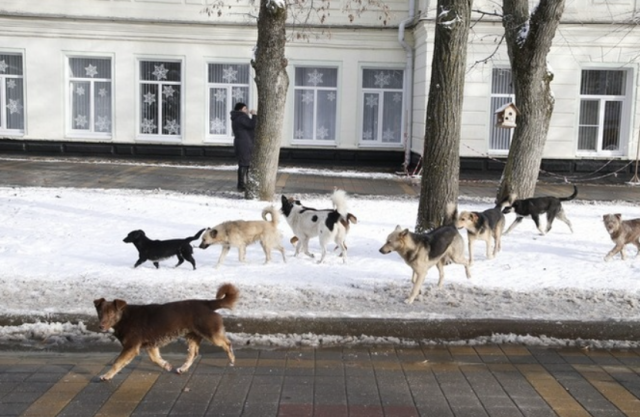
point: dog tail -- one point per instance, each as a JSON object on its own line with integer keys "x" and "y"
{"x": 572, "y": 196}
{"x": 275, "y": 215}
{"x": 196, "y": 236}
{"x": 451, "y": 214}
{"x": 339, "y": 199}
{"x": 506, "y": 201}
{"x": 226, "y": 297}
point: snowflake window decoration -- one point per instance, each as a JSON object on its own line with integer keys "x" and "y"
{"x": 14, "y": 106}
{"x": 299, "y": 134}
{"x": 11, "y": 84}
{"x": 388, "y": 136}
{"x": 103, "y": 92}
{"x": 322, "y": 132}
{"x": 220, "y": 95}
{"x": 218, "y": 126}
{"x": 149, "y": 98}
{"x": 160, "y": 72}
{"x": 103, "y": 124}
{"x": 315, "y": 77}
{"x": 307, "y": 97}
{"x": 237, "y": 94}
{"x": 91, "y": 70}
{"x": 229, "y": 74}
{"x": 368, "y": 135}
{"x": 148, "y": 125}
{"x": 382, "y": 79}
{"x": 172, "y": 127}
{"x": 372, "y": 101}
{"x": 81, "y": 121}
{"x": 397, "y": 98}
{"x": 3, "y": 66}
{"x": 80, "y": 90}
{"x": 168, "y": 91}
{"x": 331, "y": 96}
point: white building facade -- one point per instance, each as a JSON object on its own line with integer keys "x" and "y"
{"x": 159, "y": 77}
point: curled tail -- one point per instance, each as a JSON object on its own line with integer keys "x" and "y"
{"x": 275, "y": 215}
{"x": 226, "y": 297}
{"x": 572, "y": 196}
{"x": 339, "y": 199}
{"x": 196, "y": 236}
{"x": 506, "y": 201}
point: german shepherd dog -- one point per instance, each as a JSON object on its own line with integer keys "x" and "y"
{"x": 157, "y": 250}
{"x": 622, "y": 232}
{"x": 484, "y": 225}
{"x": 328, "y": 224}
{"x": 153, "y": 326}
{"x": 242, "y": 233}
{"x": 421, "y": 251}
{"x": 536, "y": 206}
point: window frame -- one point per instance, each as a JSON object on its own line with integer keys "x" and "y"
{"x": 625, "y": 113}
{"x": 82, "y": 133}
{"x": 226, "y": 138}
{"x": 4, "y": 99}
{"x": 337, "y": 89}
{"x": 380, "y": 91}
{"x": 159, "y": 137}
{"x": 511, "y": 97}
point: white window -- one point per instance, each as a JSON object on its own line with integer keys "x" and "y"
{"x": 228, "y": 85}
{"x": 501, "y": 94}
{"x": 382, "y": 107}
{"x": 603, "y": 95}
{"x": 90, "y": 96}
{"x": 160, "y": 100}
{"x": 11, "y": 94}
{"x": 315, "y": 104}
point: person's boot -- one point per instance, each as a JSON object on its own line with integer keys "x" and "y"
{"x": 241, "y": 178}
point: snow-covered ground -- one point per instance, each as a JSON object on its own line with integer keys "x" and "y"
{"x": 62, "y": 248}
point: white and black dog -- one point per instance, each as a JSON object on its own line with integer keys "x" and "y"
{"x": 328, "y": 224}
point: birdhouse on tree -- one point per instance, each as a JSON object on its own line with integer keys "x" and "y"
{"x": 506, "y": 116}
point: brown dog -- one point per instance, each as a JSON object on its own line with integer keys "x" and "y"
{"x": 154, "y": 325}
{"x": 241, "y": 233}
{"x": 622, "y": 232}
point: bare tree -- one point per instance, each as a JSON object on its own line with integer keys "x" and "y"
{"x": 529, "y": 37}
{"x": 441, "y": 156}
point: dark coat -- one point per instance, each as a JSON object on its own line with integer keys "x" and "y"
{"x": 243, "y": 128}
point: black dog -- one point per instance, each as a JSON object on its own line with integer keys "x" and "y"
{"x": 157, "y": 250}
{"x": 536, "y": 206}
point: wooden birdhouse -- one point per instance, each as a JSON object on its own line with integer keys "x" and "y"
{"x": 506, "y": 116}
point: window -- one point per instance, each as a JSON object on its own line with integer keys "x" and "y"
{"x": 90, "y": 95}
{"x": 501, "y": 94}
{"x": 11, "y": 94}
{"x": 160, "y": 99}
{"x": 228, "y": 85}
{"x": 382, "y": 106}
{"x": 315, "y": 104}
{"x": 602, "y": 100}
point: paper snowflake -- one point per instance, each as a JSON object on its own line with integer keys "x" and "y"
{"x": 148, "y": 126}
{"x": 307, "y": 97}
{"x": 315, "y": 77}
{"x": 81, "y": 121}
{"x": 149, "y": 98}
{"x": 382, "y": 79}
{"x": 103, "y": 124}
{"x": 80, "y": 90}
{"x": 331, "y": 96}
{"x": 172, "y": 127}
{"x": 388, "y": 136}
{"x": 220, "y": 95}
{"x": 3, "y": 66}
{"x": 322, "y": 132}
{"x": 11, "y": 84}
{"x": 91, "y": 70}
{"x": 229, "y": 74}
{"x": 160, "y": 72}
{"x": 14, "y": 106}
{"x": 168, "y": 91}
{"x": 237, "y": 94}
{"x": 218, "y": 126}
{"x": 368, "y": 135}
{"x": 397, "y": 98}
{"x": 372, "y": 101}
{"x": 102, "y": 92}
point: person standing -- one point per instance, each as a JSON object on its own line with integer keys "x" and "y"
{"x": 243, "y": 126}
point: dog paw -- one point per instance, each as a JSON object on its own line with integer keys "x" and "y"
{"x": 408, "y": 301}
{"x": 105, "y": 377}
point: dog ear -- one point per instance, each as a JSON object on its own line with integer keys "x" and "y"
{"x": 398, "y": 228}
{"x": 619, "y": 216}
{"x": 98, "y": 302}
{"x": 404, "y": 233}
{"x": 120, "y": 304}
{"x": 474, "y": 216}
{"x": 213, "y": 233}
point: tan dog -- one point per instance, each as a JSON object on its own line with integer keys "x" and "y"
{"x": 622, "y": 232}
{"x": 154, "y": 325}
{"x": 241, "y": 233}
{"x": 423, "y": 250}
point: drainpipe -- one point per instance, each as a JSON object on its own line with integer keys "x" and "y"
{"x": 408, "y": 85}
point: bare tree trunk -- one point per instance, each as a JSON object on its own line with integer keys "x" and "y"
{"x": 529, "y": 40}
{"x": 441, "y": 156}
{"x": 272, "y": 82}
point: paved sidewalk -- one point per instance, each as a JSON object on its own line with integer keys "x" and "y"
{"x": 360, "y": 382}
